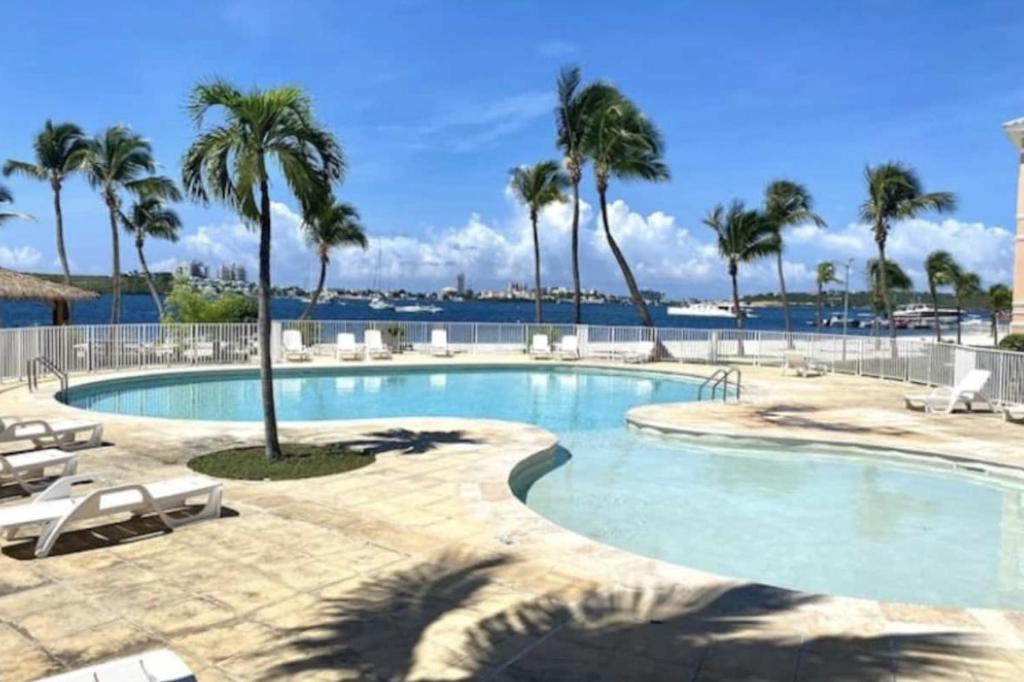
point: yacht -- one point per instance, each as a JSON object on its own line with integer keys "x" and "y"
{"x": 378, "y": 303}
{"x": 707, "y": 310}
{"x": 417, "y": 309}
{"x": 921, "y": 316}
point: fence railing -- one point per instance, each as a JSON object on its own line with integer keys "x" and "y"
{"x": 87, "y": 349}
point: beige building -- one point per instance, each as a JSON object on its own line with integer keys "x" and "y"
{"x": 1015, "y": 129}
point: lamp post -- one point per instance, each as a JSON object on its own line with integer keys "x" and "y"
{"x": 1015, "y": 131}
{"x": 846, "y": 304}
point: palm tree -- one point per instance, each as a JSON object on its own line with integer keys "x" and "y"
{"x": 965, "y": 285}
{"x": 59, "y": 151}
{"x": 120, "y": 160}
{"x": 149, "y": 217}
{"x": 788, "y": 204}
{"x": 743, "y": 236}
{"x": 942, "y": 270}
{"x": 894, "y": 194}
{"x": 1000, "y": 300}
{"x": 328, "y": 227}
{"x": 536, "y": 187}
{"x": 5, "y": 198}
{"x": 229, "y": 162}
{"x": 896, "y": 279}
{"x": 574, "y": 109}
{"x": 624, "y": 144}
{"x": 825, "y": 275}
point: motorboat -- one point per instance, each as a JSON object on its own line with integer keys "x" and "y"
{"x": 705, "y": 309}
{"x": 921, "y": 316}
{"x": 417, "y": 309}
{"x": 378, "y": 303}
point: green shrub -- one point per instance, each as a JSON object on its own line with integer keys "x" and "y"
{"x": 187, "y": 304}
{"x": 1012, "y": 342}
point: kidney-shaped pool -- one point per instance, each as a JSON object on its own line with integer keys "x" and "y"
{"x": 810, "y": 517}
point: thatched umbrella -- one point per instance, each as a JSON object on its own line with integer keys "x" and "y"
{"x": 15, "y": 286}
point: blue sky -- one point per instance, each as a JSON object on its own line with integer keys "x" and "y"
{"x": 435, "y": 101}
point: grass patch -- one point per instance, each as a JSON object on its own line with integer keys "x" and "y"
{"x": 299, "y": 461}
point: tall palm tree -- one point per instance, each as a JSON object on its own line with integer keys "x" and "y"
{"x": 1000, "y": 300}
{"x": 149, "y": 217}
{"x": 743, "y": 236}
{"x": 536, "y": 187}
{"x": 575, "y": 107}
{"x": 59, "y": 151}
{"x": 5, "y": 198}
{"x": 788, "y": 204}
{"x": 965, "y": 285}
{"x": 624, "y": 144}
{"x": 896, "y": 279}
{"x": 895, "y": 193}
{"x": 941, "y": 270}
{"x": 825, "y": 274}
{"x": 229, "y": 162}
{"x": 328, "y": 227}
{"x": 119, "y": 160}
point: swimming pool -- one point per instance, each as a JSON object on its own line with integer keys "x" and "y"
{"x": 811, "y": 517}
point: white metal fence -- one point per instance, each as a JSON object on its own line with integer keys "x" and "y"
{"x": 85, "y": 349}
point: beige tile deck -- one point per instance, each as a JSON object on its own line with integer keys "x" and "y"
{"x": 424, "y": 566}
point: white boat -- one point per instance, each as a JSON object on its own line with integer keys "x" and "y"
{"x": 378, "y": 303}
{"x": 921, "y": 316}
{"x": 707, "y": 310}
{"x": 417, "y": 309}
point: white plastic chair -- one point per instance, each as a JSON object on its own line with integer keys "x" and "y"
{"x": 439, "y": 343}
{"x": 160, "y": 665}
{"x": 294, "y": 350}
{"x": 540, "y": 347}
{"x": 375, "y": 347}
{"x": 569, "y": 348}
{"x": 346, "y": 348}
{"x": 28, "y": 468}
{"x": 45, "y": 433}
{"x": 795, "y": 361}
{"x": 945, "y": 399}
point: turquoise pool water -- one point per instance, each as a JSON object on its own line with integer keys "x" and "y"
{"x": 813, "y": 517}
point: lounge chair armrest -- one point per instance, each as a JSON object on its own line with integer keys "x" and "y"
{"x": 41, "y": 423}
{"x": 61, "y": 488}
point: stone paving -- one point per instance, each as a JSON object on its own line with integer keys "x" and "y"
{"x": 423, "y": 566}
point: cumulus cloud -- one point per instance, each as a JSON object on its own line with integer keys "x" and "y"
{"x": 19, "y": 257}
{"x": 664, "y": 253}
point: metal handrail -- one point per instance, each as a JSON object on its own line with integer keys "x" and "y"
{"x": 32, "y": 372}
{"x": 720, "y": 377}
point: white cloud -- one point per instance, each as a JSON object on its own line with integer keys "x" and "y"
{"x": 19, "y": 257}
{"x": 663, "y": 253}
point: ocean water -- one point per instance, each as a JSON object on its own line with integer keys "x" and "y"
{"x": 837, "y": 520}
{"x": 139, "y": 308}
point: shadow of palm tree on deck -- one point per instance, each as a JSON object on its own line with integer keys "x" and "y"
{"x": 406, "y": 441}
{"x": 453, "y": 619}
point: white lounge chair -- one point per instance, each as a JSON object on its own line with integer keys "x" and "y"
{"x": 55, "y": 510}
{"x": 945, "y": 399}
{"x": 346, "y": 348}
{"x": 375, "y": 347}
{"x": 569, "y": 348}
{"x": 540, "y": 347}
{"x": 201, "y": 350}
{"x": 160, "y": 665}
{"x": 44, "y": 433}
{"x": 801, "y": 365}
{"x": 28, "y": 469}
{"x": 1012, "y": 413}
{"x": 291, "y": 342}
{"x": 642, "y": 352}
{"x": 439, "y": 343}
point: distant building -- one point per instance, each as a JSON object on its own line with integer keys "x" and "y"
{"x": 460, "y": 283}
{"x": 192, "y": 269}
{"x": 232, "y": 273}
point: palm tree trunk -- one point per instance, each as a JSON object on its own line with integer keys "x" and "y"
{"x": 883, "y": 289}
{"x": 272, "y": 445}
{"x": 817, "y": 314}
{"x": 935, "y": 308}
{"x": 995, "y": 329}
{"x": 536, "y": 267}
{"x": 316, "y": 294}
{"x": 782, "y": 294}
{"x": 958, "y": 314}
{"x": 627, "y": 274}
{"x": 115, "y": 279}
{"x": 733, "y": 274}
{"x": 149, "y": 281}
{"x": 62, "y": 253}
{"x": 577, "y": 296}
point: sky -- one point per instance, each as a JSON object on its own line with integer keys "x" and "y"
{"x": 435, "y": 101}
